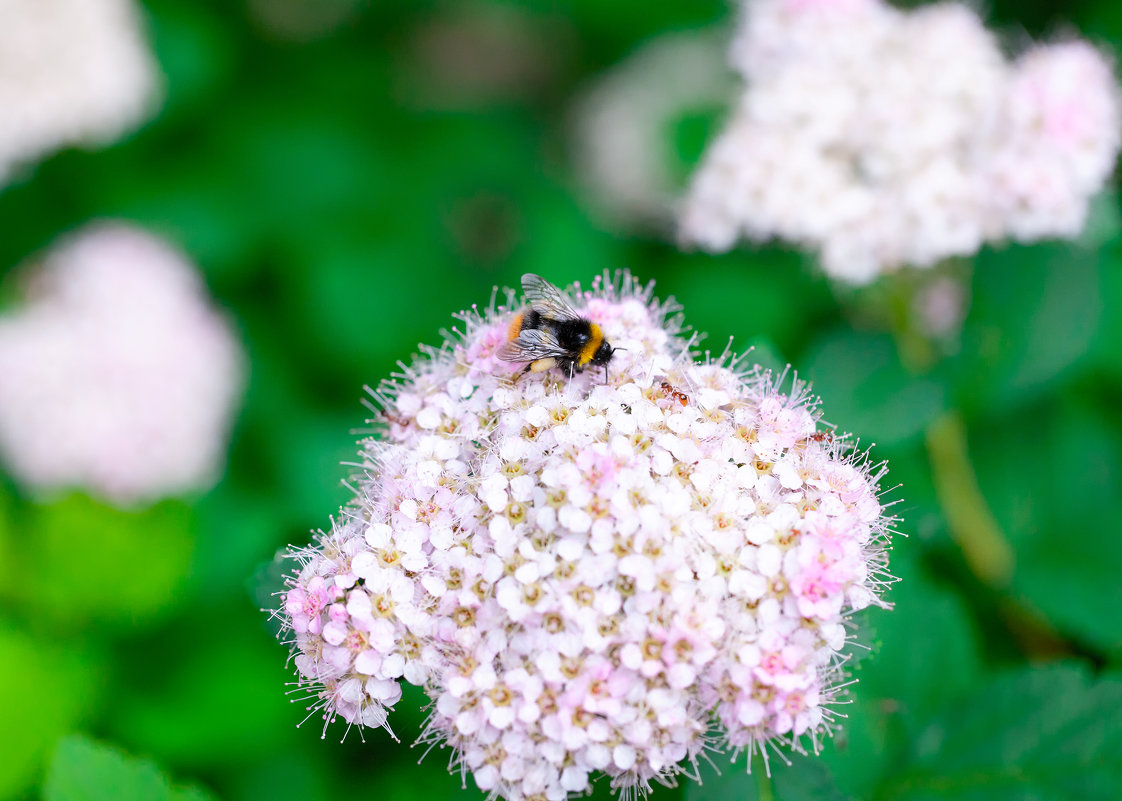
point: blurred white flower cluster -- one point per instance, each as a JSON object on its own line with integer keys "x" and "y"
{"x": 118, "y": 376}
{"x": 623, "y": 125}
{"x": 72, "y": 72}
{"x": 608, "y": 574}
{"x": 884, "y": 138}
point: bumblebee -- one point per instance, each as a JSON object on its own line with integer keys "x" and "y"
{"x": 551, "y": 334}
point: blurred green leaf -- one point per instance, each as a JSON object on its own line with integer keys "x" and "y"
{"x": 1034, "y": 313}
{"x": 311, "y": 771}
{"x": 401, "y": 777}
{"x": 221, "y": 685}
{"x": 925, "y": 652}
{"x": 237, "y": 529}
{"x": 87, "y": 561}
{"x": 1106, "y": 348}
{"x": 624, "y": 22}
{"x": 868, "y": 392}
{"x": 1041, "y": 733}
{"x": 1051, "y": 477}
{"x": 1104, "y": 221}
{"x": 195, "y": 51}
{"x": 65, "y": 687}
{"x": 806, "y": 778}
{"x": 85, "y": 770}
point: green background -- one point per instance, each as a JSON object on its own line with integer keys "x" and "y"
{"x": 344, "y": 193}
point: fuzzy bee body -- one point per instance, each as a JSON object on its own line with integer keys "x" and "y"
{"x": 552, "y": 334}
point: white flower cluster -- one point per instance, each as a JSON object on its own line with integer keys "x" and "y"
{"x": 885, "y": 138}
{"x": 595, "y": 574}
{"x": 118, "y": 376}
{"x": 72, "y": 72}
{"x": 623, "y": 125}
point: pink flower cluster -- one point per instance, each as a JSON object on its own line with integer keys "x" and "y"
{"x": 119, "y": 375}
{"x": 883, "y": 138}
{"x": 588, "y": 575}
{"x": 72, "y": 72}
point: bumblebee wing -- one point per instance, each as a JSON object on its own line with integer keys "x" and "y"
{"x": 546, "y": 299}
{"x": 531, "y": 345}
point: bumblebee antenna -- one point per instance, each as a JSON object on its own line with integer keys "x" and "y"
{"x": 614, "y": 349}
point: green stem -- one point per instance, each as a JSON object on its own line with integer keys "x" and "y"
{"x": 972, "y": 525}
{"x": 764, "y": 790}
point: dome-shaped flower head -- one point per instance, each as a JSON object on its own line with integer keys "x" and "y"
{"x": 592, "y": 574}
{"x": 72, "y": 72}
{"x": 119, "y": 377}
{"x": 882, "y": 138}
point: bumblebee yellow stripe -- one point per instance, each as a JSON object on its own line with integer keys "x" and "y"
{"x": 594, "y": 342}
{"x": 515, "y": 327}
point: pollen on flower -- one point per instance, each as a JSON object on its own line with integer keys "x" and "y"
{"x": 592, "y": 575}
{"x": 860, "y": 136}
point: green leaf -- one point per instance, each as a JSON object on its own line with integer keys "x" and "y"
{"x": 1051, "y": 477}
{"x": 69, "y": 683}
{"x": 195, "y": 52}
{"x": 806, "y": 778}
{"x": 1106, "y": 350}
{"x": 1042, "y": 733}
{"x": 224, "y": 694}
{"x": 87, "y": 561}
{"x": 867, "y": 391}
{"x": 1034, "y": 314}
{"x": 926, "y": 651}
{"x": 86, "y": 770}
{"x": 238, "y": 526}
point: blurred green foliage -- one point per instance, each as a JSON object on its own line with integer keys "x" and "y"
{"x": 344, "y": 193}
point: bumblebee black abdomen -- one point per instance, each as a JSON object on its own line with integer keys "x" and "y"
{"x": 551, "y": 333}
{"x": 531, "y": 319}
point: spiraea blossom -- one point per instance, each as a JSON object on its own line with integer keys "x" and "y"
{"x": 72, "y": 72}
{"x": 118, "y": 375}
{"x": 608, "y": 574}
{"x": 884, "y": 138}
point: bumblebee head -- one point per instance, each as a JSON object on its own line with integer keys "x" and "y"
{"x": 603, "y": 354}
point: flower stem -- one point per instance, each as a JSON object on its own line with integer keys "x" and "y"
{"x": 764, "y": 790}
{"x": 972, "y": 525}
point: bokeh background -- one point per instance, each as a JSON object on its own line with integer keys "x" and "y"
{"x": 348, "y": 174}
